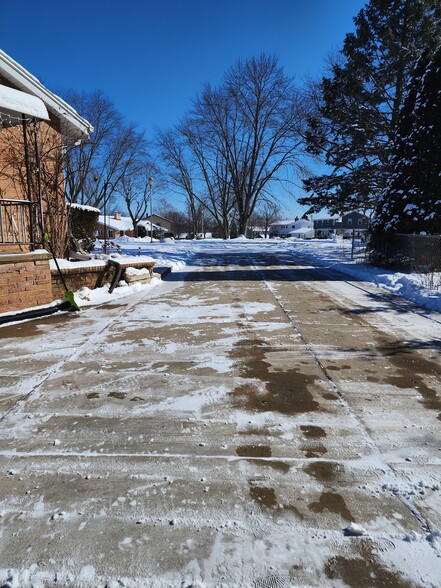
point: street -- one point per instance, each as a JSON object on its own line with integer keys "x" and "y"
{"x": 251, "y": 421}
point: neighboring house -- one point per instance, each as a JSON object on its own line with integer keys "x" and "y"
{"x": 112, "y": 227}
{"x": 297, "y": 227}
{"x": 162, "y": 222}
{"x": 327, "y": 225}
{"x": 350, "y": 223}
{"x": 354, "y": 223}
{"x": 158, "y": 231}
{"x": 35, "y": 127}
{"x": 303, "y": 233}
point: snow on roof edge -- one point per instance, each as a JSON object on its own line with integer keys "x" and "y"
{"x": 84, "y": 207}
{"x": 16, "y": 73}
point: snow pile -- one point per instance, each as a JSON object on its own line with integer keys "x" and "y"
{"x": 133, "y": 271}
{"x": 354, "y": 530}
{"x": 86, "y": 297}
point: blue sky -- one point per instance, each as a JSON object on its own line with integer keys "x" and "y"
{"x": 151, "y": 58}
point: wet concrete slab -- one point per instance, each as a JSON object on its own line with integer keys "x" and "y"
{"x": 222, "y": 431}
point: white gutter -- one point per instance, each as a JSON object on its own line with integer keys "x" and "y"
{"x": 73, "y": 125}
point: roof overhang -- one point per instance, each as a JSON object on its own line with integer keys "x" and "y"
{"x": 14, "y": 104}
{"x": 73, "y": 126}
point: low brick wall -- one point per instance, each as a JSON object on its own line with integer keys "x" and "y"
{"x": 25, "y": 280}
{"x": 86, "y": 276}
{"x": 75, "y": 278}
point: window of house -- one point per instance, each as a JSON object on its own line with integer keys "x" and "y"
{"x": 349, "y": 221}
{"x": 111, "y": 234}
{"x": 360, "y": 222}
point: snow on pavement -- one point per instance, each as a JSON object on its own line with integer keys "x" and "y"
{"x": 152, "y": 442}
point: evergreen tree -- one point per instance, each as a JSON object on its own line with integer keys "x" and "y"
{"x": 411, "y": 200}
{"x": 359, "y": 103}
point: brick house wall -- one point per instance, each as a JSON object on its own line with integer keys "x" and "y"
{"x": 52, "y": 124}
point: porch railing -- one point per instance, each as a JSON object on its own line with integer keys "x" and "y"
{"x": 17, "y": 222}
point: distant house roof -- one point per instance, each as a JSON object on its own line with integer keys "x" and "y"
{"x": 73, "y": 126}
{"x": 336, "y": 217}
{"x": 122, "y": 224}
{"x": 284, "y": 222}
{"x": 163, "y": 217}
{"x": 146, "y": 223}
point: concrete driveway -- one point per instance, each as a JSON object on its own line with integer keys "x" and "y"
{"x": 224, "y": 429}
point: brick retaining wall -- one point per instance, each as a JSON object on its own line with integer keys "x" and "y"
{"x": 25, "y": 280}
{"x": 86, "y": 276}
{"x": 75, "y": 278}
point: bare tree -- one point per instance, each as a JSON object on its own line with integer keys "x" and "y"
{"x": 181, "y": 173}
{"x": 218, "y": 196}
{"x": 135, "y": 190}
{"x": 95, "y": 170}
{"x": 265, "y": 213}
{"x": 180, "y": 221}
{"x": 255, "y": 121}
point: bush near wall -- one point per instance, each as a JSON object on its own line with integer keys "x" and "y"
{"x": 82, "y": 224}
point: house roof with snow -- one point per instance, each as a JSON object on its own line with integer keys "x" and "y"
{"x": 146, "y": 223}
{"x": 285, "y": 222}
{"x": 122, "y": 224}
{"x": 73, "y": 126}
{"x": 336, "y": 217}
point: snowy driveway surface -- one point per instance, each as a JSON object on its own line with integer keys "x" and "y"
{"x": 223, "y": 429}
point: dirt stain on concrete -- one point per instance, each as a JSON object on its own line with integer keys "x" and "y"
{"x": 323, "y": 471}
{"x": 264, "y": 496}
{"x": 358, "y": 571}
{"x": 332, "y": 502}
{"x": 119, "y": 395}
{"x": 329, "y": 396}
{"x": 280, "y": 466}
{"x": 262, "y": 451}
{"x": 92, "y": 395}
{"x": 412, "y": 369}
{"x": 254, "y": 451}
{"x": 286, "y": 391}
{"x": 314, "y": 450}
{"x": 312, "y": 432}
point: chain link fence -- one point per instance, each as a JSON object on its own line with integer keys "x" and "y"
{"x": 416, "y": 253}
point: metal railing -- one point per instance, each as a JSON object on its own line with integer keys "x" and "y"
{"x": 17, "y": 222}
